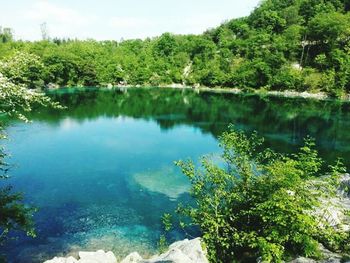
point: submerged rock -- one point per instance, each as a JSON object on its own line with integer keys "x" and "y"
{"x": 166, "y": 180}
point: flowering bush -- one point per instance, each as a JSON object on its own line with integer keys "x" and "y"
{"x": 16, "y": 99}
{"x": 23, "y": 68}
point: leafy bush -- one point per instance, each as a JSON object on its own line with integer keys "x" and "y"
{"x": 287, "y": 78}
{"x": 260, "y": 203}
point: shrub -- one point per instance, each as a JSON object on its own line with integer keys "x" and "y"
{"x": 312, "y": 79}
{"x": 260, "y": 203}
{"x": 287, "y": 78}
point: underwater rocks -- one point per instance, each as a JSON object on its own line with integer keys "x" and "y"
{"x": 185, "y": 251}
{"x": 167, "y": 180}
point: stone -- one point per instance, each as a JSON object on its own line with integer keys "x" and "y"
{"x": 185, "y": 251}
{"x": 132, "y": 258}
{"x": 172, "y": 256}
{"x": 97, "y": 257}
{"x": 62, "y": 260}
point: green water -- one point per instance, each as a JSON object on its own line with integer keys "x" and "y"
{"x": 101, "y": 172}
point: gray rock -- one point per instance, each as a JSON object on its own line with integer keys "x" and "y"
{"x": 185, "y": 251}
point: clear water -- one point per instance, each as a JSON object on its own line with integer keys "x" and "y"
{"x": 101, "y": 173}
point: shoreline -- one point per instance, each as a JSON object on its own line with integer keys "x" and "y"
{"x": 321, "y": 96}
{"x": 286, "y": 94}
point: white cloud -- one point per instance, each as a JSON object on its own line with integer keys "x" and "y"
{"x": 142, "y": 27}
{"x": 199, "y": 23}
{"x": 46, "y": 11}
{"x": 61, "y": 21}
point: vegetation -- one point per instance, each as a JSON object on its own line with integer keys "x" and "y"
{"x": 259, "y": 203}
{"x": 301, "y": 45}
{"x": 15, "y": 101}
{"x": 263, "y": 204}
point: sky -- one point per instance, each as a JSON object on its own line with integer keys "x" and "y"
{"x": 117, "y": 19}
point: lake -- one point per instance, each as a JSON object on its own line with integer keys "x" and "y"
{"x": 101, "y": 172}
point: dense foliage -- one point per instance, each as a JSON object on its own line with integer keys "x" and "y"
{"x": 262, "y": 204}
{"x": 295, "y": 45}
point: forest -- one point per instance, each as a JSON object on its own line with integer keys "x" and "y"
{"x": 300, "y": 45}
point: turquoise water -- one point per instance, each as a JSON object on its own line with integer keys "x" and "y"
{"x": 101, "y": 173}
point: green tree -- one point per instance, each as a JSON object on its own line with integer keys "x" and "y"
{"x": 6, "y": 35}
{"x": 330, "y": 28}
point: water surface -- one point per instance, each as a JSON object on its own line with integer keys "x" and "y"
{"x": 101, "y": 172}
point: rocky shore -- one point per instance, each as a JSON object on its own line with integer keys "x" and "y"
{"x": 185, "y": 251}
